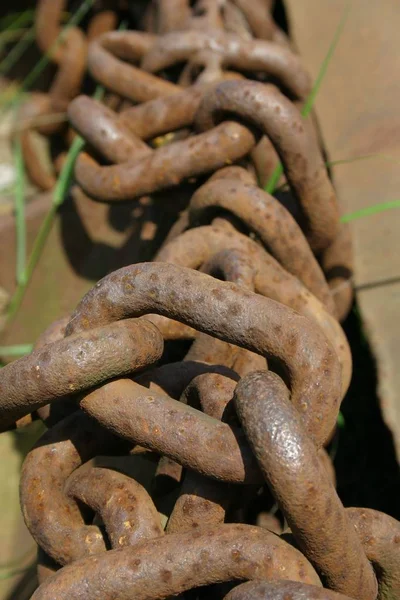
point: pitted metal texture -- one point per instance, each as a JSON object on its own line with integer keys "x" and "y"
{"x": 183, "y": 391}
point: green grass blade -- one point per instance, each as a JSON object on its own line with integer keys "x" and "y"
{"x": 68, "y": 167}
{"x": 36, "y": 252}
{"x": 20, "y": 211}
{"x": 325, "y": 63}
{"x": 370, "y": 210}
{"x": 347, "y": 161}
{"x": 16, "y": 20}
{"x": 56, "y": 117}
{"x": 13, "y": 572}
{"x": 17, "y": 561}
{"x": 17, "y": 350}
{"x": 11, "y": 36}
{"x": 273, "y": 180}
{"x": 46, "y": 226}
{"x": 12, "y": 568}
{"x": 59, "y": 194}
{"x": 16, "y": 53}
{"x": 340, "y": 420}
{"x": 67, "y": 171}
{"x": 309, "y": 103}
{"x": 42, "y": 63}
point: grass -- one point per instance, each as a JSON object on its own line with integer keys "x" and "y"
{"x": 16, "y": 571}
{"x": 20, "y": 211}
{"x": 17, "y": 561}
{"x": 16, "y": 20}
{"x": 12, "y": 100}
{"x": 12, "y": 35}
{"x": 347, "y": 161}
{"x": 16, "y": 350}
{"x": 9, "y": 32}
{"x": 24, "y": 272}
{"x": 306, "y": 110}
{"x": 59, "y": 117}
{"x": 17, "y": 52}
{"x": 309, "y": 103}
{"x": 370, "y": 210}
{"x": 59, "y": 194}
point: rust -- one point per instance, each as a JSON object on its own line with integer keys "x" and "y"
{"x": 235, "y": 21}
{"x": 102, "y": 22}
{"x": 45, "y": 566}
{"x": 212, "y": 392}
{"x": 173, "y": 429}
{"x": 273, "y": 224}
{"x": 261, "y": 325}
{"x": 269, "y": 521}
{"x": 125, "y": 507}
{"x": 170, "y": 329}
{"x": 268, "y": 109}
{"x": 203, "y": 502}
{"x": 52, "y": 413}
{"x": 236, "y": 53}
{"x": 71, "y": 365}
{"x": 177, "y": 562}
{"x": 380, "y": 537}
{"x": 247, "y": 362}
{"x": 106, "y": 67}
{"x": 328, "y": 465}
{"x": 337, "y": 263}
{"x": 232, "y": 265}
{"x": 247, "y": 297}
{"x": 171, "y": 15}
{"x": 100, "y": 126}
{"x": 38, "y": 105}
{"x": 235, "y": 268}
{"x": 206, "y": 16}
{"x": 301, "y": 485}
{"x": 53, "y": 519}
{"x": 210, "y": 350}
{"x": 195, "y": 247}
{"x": 165, "y": 16}
{"x": 281, "y": 590}
{"x": 265, "y": 161}
{"x": 173, "y": 378}
{"x": 163, "y": 115}
{"x": 259, "y": 18}
{"x": 200, "y": 501}
{"x": 165, "y": 167}
{"x": 205, "y": 67}
{"x": 167, "y": 476}
{"x": 54, "y": 332}
{"x": 68, "y": 51}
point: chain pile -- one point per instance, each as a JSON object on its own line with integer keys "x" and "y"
{"x": 43, "y": 113}
{"x": 150, "y": 471}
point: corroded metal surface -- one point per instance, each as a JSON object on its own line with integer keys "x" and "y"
{"x": 289, "y": 462}
{"x": 177, "y": 562}
{"x": 68, "y": 50}
{"x": 71, "y": 365}
{"x": 262, "y": 590}
{"x": 219, "y": 368}
{"x": 360, "y": 75}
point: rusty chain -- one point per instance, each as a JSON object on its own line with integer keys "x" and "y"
{"x": 143, "y": 484}
{"x": 68, "y": 51}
